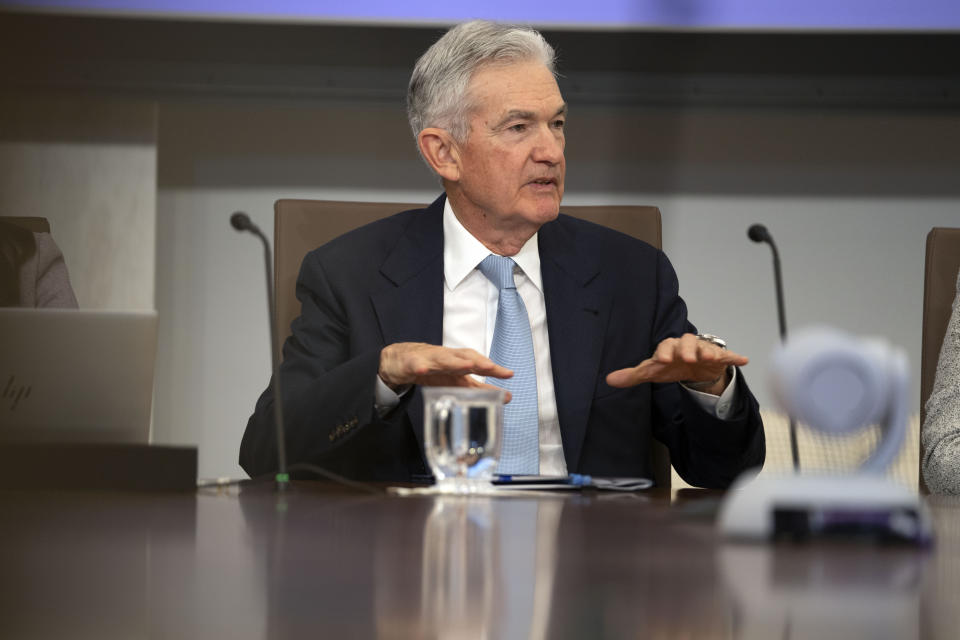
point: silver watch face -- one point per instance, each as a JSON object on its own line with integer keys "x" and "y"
{"x": 717, "y": 340}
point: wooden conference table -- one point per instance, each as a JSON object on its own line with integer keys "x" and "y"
{"x": 325, "y": 562}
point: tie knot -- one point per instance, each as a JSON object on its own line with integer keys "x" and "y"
{"x": 499, "y": 271}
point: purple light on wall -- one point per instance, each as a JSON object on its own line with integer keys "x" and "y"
{"x": 940, "y": 15}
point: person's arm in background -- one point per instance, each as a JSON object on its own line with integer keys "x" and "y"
{"x": 50, "y": 280}
{"x": 941, "y": 430}
{"x": 32, "y": 270}
{"x": 16, "y": 247}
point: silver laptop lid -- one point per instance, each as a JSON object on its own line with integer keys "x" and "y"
{"x": 76, "y": 376}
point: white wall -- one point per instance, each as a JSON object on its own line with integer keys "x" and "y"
{"x": 89, "y": 166}
{"x": 849, "y": 196}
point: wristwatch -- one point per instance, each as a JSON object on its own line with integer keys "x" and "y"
{"x": 712, "y": 339}
{"x": 706, "y": 384}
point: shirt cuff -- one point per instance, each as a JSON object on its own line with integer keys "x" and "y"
{"x": 386, "y": 399}
{"x": 721, "y": 406}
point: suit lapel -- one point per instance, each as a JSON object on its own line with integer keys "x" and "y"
{"x": 412, "y": 311}
{"x": 576, "y": 316}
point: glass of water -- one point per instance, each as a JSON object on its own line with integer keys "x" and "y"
{"x": 461, "y": 434}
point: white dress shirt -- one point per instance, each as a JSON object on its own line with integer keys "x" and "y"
{"x": 470, "y": 303}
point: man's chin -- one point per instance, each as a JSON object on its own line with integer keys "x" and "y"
{"x": 545, "y": 208}
{"x": 550, "y": 213}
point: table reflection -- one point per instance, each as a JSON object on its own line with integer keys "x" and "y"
{"x": 322, "y": 561}
{"x": 486, "y": 571}
{"x": 840, "y": 589}
{"x": 96, "y": 565}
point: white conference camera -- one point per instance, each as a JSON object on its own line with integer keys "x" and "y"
{"x": 834, "y": 383}
{"x": 837, "y": 384}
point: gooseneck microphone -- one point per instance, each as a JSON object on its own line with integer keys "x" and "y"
{"x": 759, "y": 233}
{"x": 241, "y": 222}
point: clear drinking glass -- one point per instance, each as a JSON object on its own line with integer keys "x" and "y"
{"x": 461, "y": 434}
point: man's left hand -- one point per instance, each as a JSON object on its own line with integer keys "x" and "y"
{"x": 683, "y": 359}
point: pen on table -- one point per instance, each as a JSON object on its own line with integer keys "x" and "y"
{"x": 575, "y": 479}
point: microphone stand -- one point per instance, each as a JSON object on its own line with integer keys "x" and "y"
{"x": 241, "y": 222}
{"x": 759, "y": 233}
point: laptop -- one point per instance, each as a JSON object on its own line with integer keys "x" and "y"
{"x": 72, "y": 376}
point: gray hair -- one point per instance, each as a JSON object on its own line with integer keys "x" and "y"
{"x": 437, "y": 93}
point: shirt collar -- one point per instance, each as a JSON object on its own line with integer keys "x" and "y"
{"x": 462, "y": 252}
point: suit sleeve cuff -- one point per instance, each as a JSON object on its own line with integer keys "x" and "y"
{"x": 722, "y": 406}
{"x": 386, "y": 399}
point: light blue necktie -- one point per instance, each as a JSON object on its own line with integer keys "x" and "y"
{"x": 513, "y": 348}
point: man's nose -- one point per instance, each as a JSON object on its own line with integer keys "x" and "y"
{"x": 549, "y": 145}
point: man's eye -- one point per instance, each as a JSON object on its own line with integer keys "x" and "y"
{"x": 558, "y": 124}
{"x": 518, "y": 128}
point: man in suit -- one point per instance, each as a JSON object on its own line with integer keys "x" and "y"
{"x": 407, "y": 301}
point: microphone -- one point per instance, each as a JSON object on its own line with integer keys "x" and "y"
{"x": 241, "y": 222}
{"x": 756, "y": 232}
{"x": 759, "y": 233}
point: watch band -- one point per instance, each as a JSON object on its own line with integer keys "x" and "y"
{"x": 713, "y": 339}
{"x": 706, "y": 384}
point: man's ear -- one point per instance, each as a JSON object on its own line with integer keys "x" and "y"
{"x": 441, "y": 152}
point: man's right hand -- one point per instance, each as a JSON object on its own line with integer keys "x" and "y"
{"x": 405, "y": 363}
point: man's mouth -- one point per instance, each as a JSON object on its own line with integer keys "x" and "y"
{"x": 544, "y": 181}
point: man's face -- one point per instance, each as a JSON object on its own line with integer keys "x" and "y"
{"x": 511, "y": 165}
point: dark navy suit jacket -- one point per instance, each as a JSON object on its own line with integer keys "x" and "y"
{"x": 610, "y": 299}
